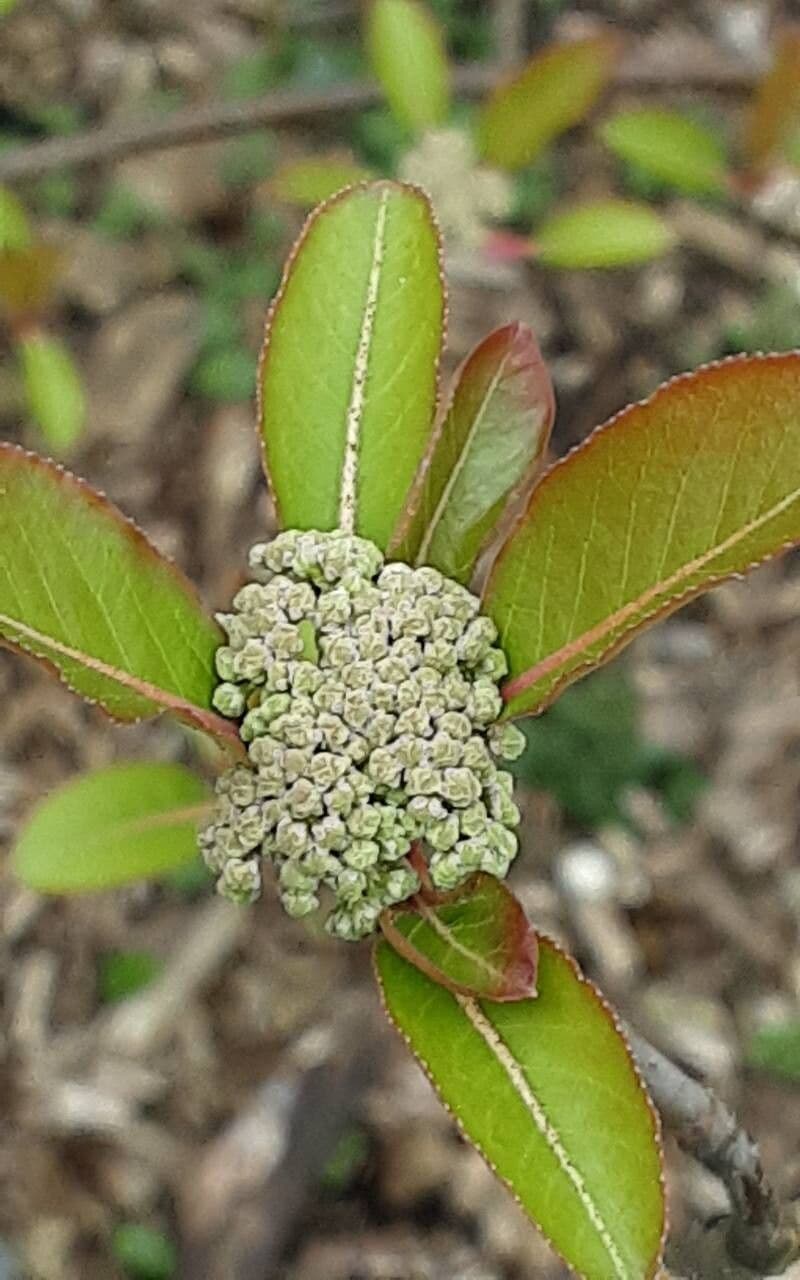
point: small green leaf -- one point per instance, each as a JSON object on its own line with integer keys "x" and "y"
{"x": 14, "y": 230}
{"x": 406, "y": 50}
{"x": 112, "y": 827}
{"x": 487, "y": 448}
{"x": 670, "y": 147}
{"x": 777, "y": 1049}
{"x": 698, "y": 483}
{"x": 144, "y": 1254}
{"x": 475, "y": 940}
{"x": 6, "y": 6}
{"x": 349, "y": 373}
{"x": 123, "y": 973}
{"x": 556, "y": 90}
{"x": 547, "y": 1090}
{"x": 53, "y": 388}
{"x": 306, "y": 182}
{"x": 83, "y": 590}
{"x": 602, "y": 233}
{"x": 774, "y": 113}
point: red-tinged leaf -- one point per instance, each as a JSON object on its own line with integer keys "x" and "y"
{"x": 555, "y": 91}
{"x": 548, "y": 1092}
{"x": 475, "y": 940}
{"x": 83, "y": 590}
{"x": 696, "y": 484}
{"x": 775, "y": 111}
{"x": 485, "y": 452}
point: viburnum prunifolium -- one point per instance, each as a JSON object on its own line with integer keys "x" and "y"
{"x": 367, "y": 695}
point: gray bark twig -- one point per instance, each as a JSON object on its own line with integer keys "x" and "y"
{"x": 761, "y": 1234}
{"x": 640, "y": 69}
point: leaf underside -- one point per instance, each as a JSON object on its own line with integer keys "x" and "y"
{"x": 475, "y": 940}
{"x": 546, "y": 1089}
{"x": 696, "y": 484}
{"x": 349, "y": 375}
{"x": 488, "y": 447}
{"x": 556, "y": 90}
{"x": 112, "y": 827}
{"x": 83, "y": 590}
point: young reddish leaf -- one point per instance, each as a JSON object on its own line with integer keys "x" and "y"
{"x": 406, "y": 49}
{"x": 475, "y": 940}
{"x": 82, "y": 589}
{"x": 53, "y": 388}
{"x": 602, "y": 233}
{"x": 555, "y": 91}
{"x": 314, "y": 178}
{"x": 774, "y": 113}
{"x": 487, "y": 448}
{"x": 548, "y": 1092}
{"x": 670, "y": 147}
{"x": 112, "y": 827}
{"x": 700, "y": 482}
{"x": 27, "y": 279}
{"x": 349, "y": 375}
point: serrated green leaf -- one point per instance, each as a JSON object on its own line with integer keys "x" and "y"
{"x": 700, "y": 482}
{"x": 774, "y": 113}
{"x": 14, "y": 230}
{"x": 487, "y": 448}
{"x": 112, "y": 827}
{"x": 602, "y": 233}
{"x": 53, "y": 389}
{"x": 406, "y": 51}
{"x": 83, "y": 590}
{"x": 349, "y": 373}
{"x": 555, "y": 91}
{"x": 670, "y": 147}
{"x": 475, "y": 940}
{"x": 306, "y": 182}
{"x": 547, "y": 1090}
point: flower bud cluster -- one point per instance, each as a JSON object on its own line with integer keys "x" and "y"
{"x": 467, "y": 196}
{"x": 367, "y": 695}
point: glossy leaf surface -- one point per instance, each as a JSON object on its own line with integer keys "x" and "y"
{"x": 546, "y": 1089}
{"x": 487, "y": 447}
{"x": 350, "y": 372}
{"x": 698, "y": 483}
{"x": 556, "y": 90}
{"x": 774, "y": 114}
{"x": 314, "y": 178}
{"x": 53, "y": 388}
{"x": 112, "y": 827}
{"x": 83, "y": 589}
{"x": 602, "y": 233}
{"x": 475, "y": 940}
{"x": 406, "y": 52}
{"x": 670, "y": 147}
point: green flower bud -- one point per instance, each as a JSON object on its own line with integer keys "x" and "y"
{"x": 277, "y": 677}
{"x": 240, "y": 880}
{"x": 358, "y": 676}
{"x": 476, "y": 641}
{"x": 362, "y": 854}
{"x": 296, "y": 730}
{"x": 424, "y": 781}
{"x": 293, "y": 876}
{"x": 329, "y": 833}
{"x": 335, "y": 732}
{"x": 330, "y": 696}
{"x": 266, "y": 751}
{"x": 224, "y": 662}
{"x": 251, "y": 661}
{"x": 306, "y": 679}
{"x": 304, "y": 799}
{"x": 298, "y": 904}
{"x": 251, "y": 597}
{"x": 460, "y": 787}
{"x": 484, "y": 703}
{"x": 326, "y": 768}
{"x": 440, "y": 654}
{"x": 415, "y": 721}
{"x": 447, "y": 870}
{"x": 291, "y": 837}
{"x": 506, "y": 741}
{"x": 380, "y": 729}
{"x": 351, "y": 885}
{"x": 364, "y": 821}
{"x": 494, "y": 666}
{"x": 443, "y": 835}
{"x": 249, "y": 826}
{"x": 474, "y": 820}
{"x": 333, "y": 610}
{"x": 338, "y": 651}
{"x": 455, "y": 691}
{"x": 357, "y": 748}
{"x": 341, "y": 798}
{"x": 444, "y": 750}
{"x": 229, "y": 700}
{"x": 297, "y": 762}
{"x": 383, "y": 767}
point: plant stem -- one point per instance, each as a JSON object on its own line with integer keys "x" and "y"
{"x": 761, "y": 1234}
{"x": 226, "y": 119}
